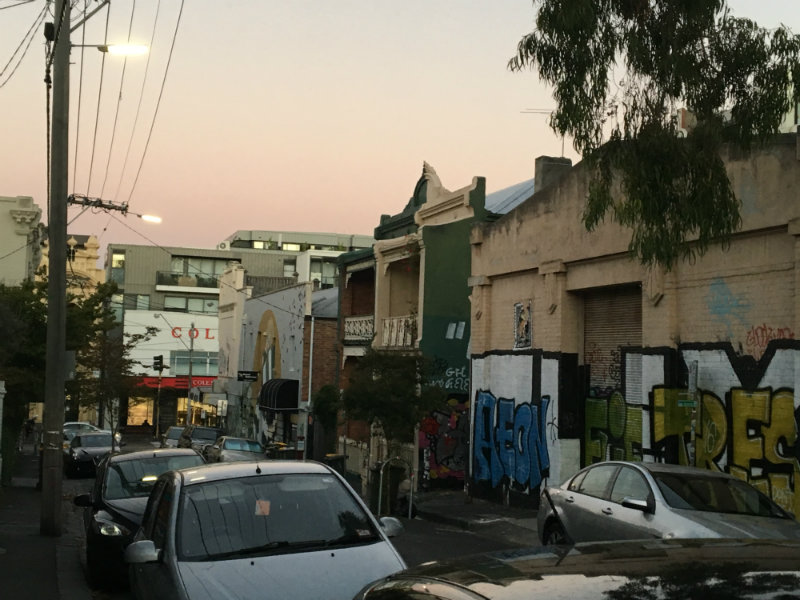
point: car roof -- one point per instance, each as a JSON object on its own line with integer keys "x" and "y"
{"x": 154, "y": 453}
{"x": 93, "y": 434}
{"x": 658, "y": 467}
{"x": 222, "y": 471}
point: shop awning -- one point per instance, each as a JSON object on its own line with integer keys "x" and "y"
{"x": 279, "y": 394}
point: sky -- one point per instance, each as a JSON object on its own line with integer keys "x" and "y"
{"x": 291, "y": 115}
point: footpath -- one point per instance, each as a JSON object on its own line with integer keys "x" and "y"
{"x": 36, "y": 566}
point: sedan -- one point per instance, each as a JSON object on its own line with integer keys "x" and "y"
{"x": 85, "y": 450}
{"x": 618, "y": 500}
{"x": 114, "y": 507}
{"x": 170, "y": 437}
{"x": 274, "y": 529}
{"x": 624, "y": 570}
{"x": 230, "y": 449}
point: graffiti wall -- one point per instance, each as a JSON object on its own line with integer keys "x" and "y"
{"x": 444, "y": 444}
{"x": 740, "y": 415}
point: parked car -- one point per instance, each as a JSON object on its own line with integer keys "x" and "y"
{"x": 198, "y": 436}
{"x": 652, "y": 569}
{"x": 275, "y": 529}
{"x": 229, "y": 449}
{"x": 85, "y": 450}
{"x": 114, "y": 507}
{"x": 71, "y": 428}
{"x": 617, "y": 500}
{"x": 169, "y": 439}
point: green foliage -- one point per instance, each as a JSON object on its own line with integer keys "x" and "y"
{"x": 735, "y": 78}
{"x": 391, "y": 389}
{"x": 326, "y": 404}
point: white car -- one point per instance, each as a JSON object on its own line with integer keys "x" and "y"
{"x": 265, "y": 529}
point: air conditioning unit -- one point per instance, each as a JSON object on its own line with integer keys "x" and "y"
{"x": 224, "y": 246}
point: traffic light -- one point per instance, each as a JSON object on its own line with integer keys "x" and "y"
{"x": 158, "y": 363}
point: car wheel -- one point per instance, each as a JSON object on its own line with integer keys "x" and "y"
{"x": 554, "y": 534}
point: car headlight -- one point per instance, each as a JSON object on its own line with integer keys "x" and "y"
{"x": 118, "y": 437}
{"x": 112, "y": 529}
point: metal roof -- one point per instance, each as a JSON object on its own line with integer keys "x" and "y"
{"x": 505, "y": 200}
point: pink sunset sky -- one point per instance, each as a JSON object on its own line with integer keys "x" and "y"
{"x": 280, "y": 115}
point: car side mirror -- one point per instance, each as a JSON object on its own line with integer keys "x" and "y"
{"x": 83, "y": 500}
{"x": 143, "y": 551}
{"x": 642, "y": 505}
{"x": 391, "y": 526}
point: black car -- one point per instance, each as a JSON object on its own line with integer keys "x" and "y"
{"x": 626, "y": 570}
{"x": 199, "y": 436}
{"x": 114, "y": 507}
{"x": 85, "y": 450}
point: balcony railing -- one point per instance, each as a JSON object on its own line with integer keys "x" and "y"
{"x": 183, "y": 280}
{"x": 359, "y": 330}
{"x": 399, "y": 332}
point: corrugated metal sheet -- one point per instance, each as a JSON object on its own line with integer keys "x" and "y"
{"x": 612, "y": 320}
{"x": 505, "y": 200}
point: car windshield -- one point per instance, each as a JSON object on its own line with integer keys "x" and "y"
{"x": 135, "y": 478}
{"x": 94, "y": 441}
{"x": 205, "y": 434}
{"x": 173, "y": 433}
{"x": 245, "y": 445}
{"x": 269, "y": 514}
{"x": 715, "y": 494}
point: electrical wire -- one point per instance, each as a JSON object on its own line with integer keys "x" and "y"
{"x": 139, "y": 104}
{"x": 158, "y": 102}
{"x": 119, "y": 103}
{"x": 80, "y": 98}
{"x": 99, "y": 97}
{"x": 29, "y": 37}
{"x": 20, "y": 3}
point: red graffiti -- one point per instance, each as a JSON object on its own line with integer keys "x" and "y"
{"x": 760, "y": 335}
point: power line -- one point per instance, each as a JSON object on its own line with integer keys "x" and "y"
{"x": 99, "y": 96}
{"x": 158, "y": 102}
{"x": 28, "y": 36}
{"x": 20, "y": 3}
{"x": 119, "y": 103}
{"x": 139, "y": 104}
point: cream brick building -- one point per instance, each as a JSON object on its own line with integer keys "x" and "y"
{"x": 580, "y": 354}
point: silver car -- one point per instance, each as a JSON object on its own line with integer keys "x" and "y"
{"x": 619, "y": 500}
{"x": 271, "y": 529}
{"x": 230, "y": 449}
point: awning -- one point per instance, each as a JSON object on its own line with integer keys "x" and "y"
{"x": 279, "y": 394}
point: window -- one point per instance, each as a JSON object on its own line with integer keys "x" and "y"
{"x": 137, "y": 302}
{"x": 118, "y": 267}
{"x": 324, "y": 271}
{"x": 596, "y": 481}
{"x": 289, "y": 267}
{"x": 291, "y": 247}
{"x": 629, "y": 484}
{"x": 192, "y": 305}
{"x": 203, "y": 363}
{"x": 116, "y": 307}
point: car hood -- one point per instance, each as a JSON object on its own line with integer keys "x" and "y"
{"x": 131, "y": 509}
{"x": 738, "y": 526}
{"x": 654, "y": 569}
{"x": 90, "y": 452}
{"x": 335, "y": 574}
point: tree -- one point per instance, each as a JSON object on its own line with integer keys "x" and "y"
{"x": 392, "y": 390}
{"x": 734, "y": 76}
{"x": 326, "y": 404}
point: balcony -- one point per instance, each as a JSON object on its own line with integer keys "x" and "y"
{"x": 399, "y": 332}
{"x": 171, "y": 280}
{"x": 359, "y": 330}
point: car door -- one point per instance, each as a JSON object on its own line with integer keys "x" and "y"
{"x": 624, "y": 522}
{"x": 155, "y": 580}
{"x": 583, "y": 506}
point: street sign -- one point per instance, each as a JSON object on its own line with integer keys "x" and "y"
{"x": 247, "y": 375}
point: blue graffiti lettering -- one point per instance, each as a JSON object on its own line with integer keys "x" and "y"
{"x": 509, "y": 441}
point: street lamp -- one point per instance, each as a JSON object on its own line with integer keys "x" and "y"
{"x": 55, "y": 369}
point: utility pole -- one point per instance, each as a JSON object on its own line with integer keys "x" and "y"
{"x": 191, "y": 359}
{"x": 55, "y": 370}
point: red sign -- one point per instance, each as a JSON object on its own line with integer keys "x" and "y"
{"x": 178, "y": 383}
{"x": 193, "y": 332}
